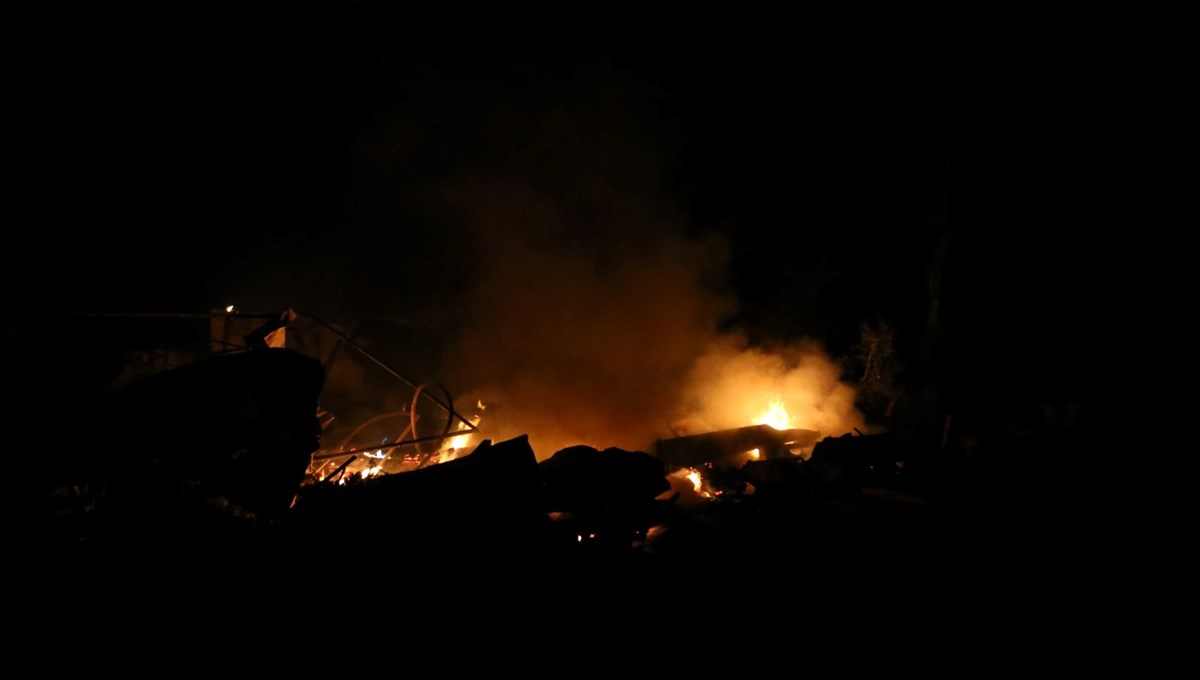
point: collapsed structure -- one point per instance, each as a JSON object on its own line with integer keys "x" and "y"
{"x": 239, "y": 446}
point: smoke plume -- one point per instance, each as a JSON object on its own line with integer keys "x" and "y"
{"x": 591, "y": 310}
{"x": 523, "y": 240}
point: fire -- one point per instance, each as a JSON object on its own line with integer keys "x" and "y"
{"x": 461, "y": 441}
{"x": 390, "y": 459}
{"x": 229, "y": 309}
{"x": 797, "y": 387}
{"x": 692, "y": 476}
{"x": 776, "y": 416}
{"x": 457, "y": 444}
{"x": 367, "y": 473}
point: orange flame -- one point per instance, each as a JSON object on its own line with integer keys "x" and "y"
{"x": 457, "y": 444}
{"x": 366, "y": 473}
{"x": 692, "y": 476}
{"x": 387, "y": 461}
{"x": 776, "y": 416}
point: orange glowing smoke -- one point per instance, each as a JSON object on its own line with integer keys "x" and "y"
{"x": 799, "y": 386}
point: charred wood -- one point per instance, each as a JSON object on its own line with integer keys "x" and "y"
{"x": 725, "y": 447}
{"x": 488, "y": 500}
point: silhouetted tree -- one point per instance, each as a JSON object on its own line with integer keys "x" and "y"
{"x": 875, "y": 366}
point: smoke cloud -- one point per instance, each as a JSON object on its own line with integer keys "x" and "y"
{"x": 585, "y": 335}
{"x": 733, "y": 384}
{"x": 592, "y": 311}
{"x": 520, "y": 239}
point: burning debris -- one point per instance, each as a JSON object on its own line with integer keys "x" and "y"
{"x": 399, "y": 445}
{"x": 487, "y": 500}
{"x": 250, "y": 443}
{"x": 738, "y": 445}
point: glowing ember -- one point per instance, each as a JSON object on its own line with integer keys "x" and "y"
{"x": 444, "y": 456}
{"x": 391, "y": 459}
{"x": 371, "y": 471}
{"x": 229, "y": 309}
{"x": 776, "y": 416}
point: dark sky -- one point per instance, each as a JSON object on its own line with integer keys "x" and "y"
{"x": 305, "y": 162}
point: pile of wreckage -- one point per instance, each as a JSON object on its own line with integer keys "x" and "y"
{"x": 224, "y": 452}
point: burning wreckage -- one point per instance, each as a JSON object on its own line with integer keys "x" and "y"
{"x": 241, "y": 444}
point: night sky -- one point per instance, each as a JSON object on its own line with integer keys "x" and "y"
{"x": 236, "y": 158}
